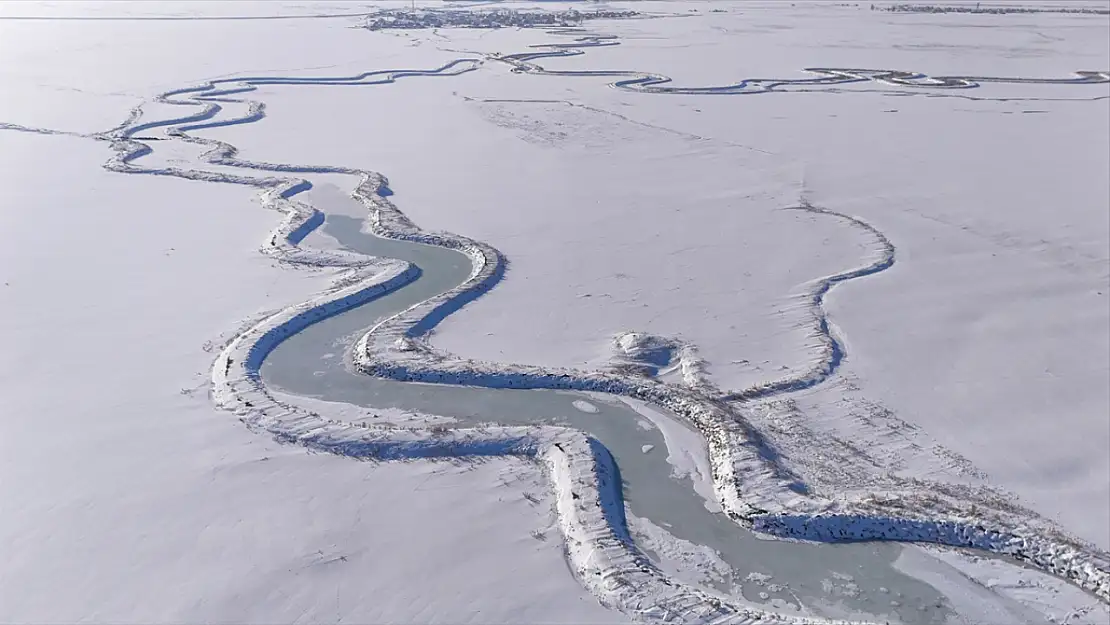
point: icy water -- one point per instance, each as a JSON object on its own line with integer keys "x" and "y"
{"x": 829, "y": 579}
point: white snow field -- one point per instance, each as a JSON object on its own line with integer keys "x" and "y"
{"x": 129, "y": 498}
{"x": 850, "y": 269}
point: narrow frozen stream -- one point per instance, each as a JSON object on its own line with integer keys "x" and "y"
{"x": 831, "y": 580}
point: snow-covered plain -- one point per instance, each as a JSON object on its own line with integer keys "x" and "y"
{"x": 983, "y": 350}
{"x": 127, "y": 496}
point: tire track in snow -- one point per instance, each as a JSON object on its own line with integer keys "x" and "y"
{"x": 752, "y": 489}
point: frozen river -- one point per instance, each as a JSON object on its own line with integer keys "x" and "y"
{"x": 314, "y": 363}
